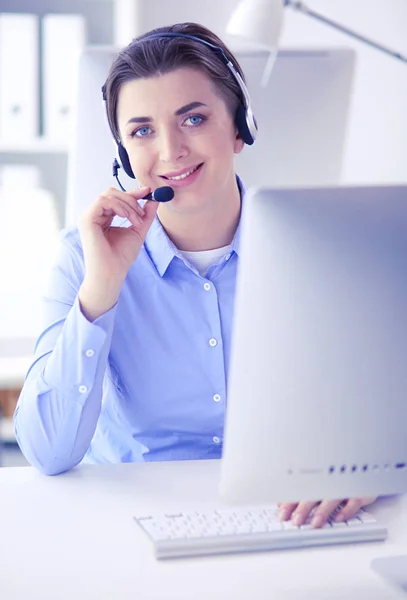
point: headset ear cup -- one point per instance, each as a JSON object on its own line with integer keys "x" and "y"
{"x": 125, "y": 162}
{"x": 242, "y": 126}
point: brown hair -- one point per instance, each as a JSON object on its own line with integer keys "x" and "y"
{"x": 148, "y": 56}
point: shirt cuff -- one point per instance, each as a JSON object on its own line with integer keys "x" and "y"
{"x": 81, "y": 345}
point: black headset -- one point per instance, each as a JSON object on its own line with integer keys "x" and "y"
{"x": 244, "y": 118}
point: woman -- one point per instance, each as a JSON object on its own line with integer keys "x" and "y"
{"x": 132, "y": 363}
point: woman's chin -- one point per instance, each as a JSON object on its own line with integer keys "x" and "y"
{"x": 185, "y": 202}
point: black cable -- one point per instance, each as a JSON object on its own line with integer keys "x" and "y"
{"x": 115, "y": 168}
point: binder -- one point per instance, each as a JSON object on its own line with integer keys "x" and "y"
{"x": 63, "y": 38}
{"x": 19, "y": 76}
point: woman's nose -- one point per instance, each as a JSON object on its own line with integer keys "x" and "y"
{"x": 172, "y": 146}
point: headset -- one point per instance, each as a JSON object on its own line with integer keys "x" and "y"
{"x": 245, "y": 120}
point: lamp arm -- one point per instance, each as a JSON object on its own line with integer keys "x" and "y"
{"x": 301, "y": 7}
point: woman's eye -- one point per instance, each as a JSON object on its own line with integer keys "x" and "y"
{"x": 141, "y": 132}
{"x": 194, "y": 120}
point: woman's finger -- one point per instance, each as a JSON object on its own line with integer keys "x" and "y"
{"x": 302, "y": 512}
{"x": 351, "y": 507}
{"x": 111, "y": 205}
{"x": 324, "y": 511}
{"x": 285, "y": 510}
{"x": 131, "y": 197}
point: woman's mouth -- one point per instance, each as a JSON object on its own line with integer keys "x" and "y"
{"x": 183, "y": 178}
{"x": 182, "y": 175}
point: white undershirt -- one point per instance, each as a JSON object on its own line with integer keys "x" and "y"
{"x": 206, "y": 258}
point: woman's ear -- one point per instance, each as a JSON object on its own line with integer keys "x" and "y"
{"x": 239, "y": 144}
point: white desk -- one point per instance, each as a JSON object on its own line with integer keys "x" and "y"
{"x": 72, "y": 537}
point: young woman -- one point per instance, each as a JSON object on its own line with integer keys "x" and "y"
{"x": 132, "y": 362}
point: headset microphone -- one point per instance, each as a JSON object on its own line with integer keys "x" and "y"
{"x": 161, "y": 194}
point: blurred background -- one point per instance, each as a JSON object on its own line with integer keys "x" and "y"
{"x": 333, "y": 112}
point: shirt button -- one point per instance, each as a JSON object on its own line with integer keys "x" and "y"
{"x": 207, "y": 286}
{"x": 212, "y": 342}
{"x": 216, "y": 439}
{"x": 216, "y": 398}
{"x": 89, "y": 353}
{"x": 227, "y": 256}
{"x": 83, "y": 389}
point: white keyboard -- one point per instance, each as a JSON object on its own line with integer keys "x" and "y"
{"x": 191, "y": 533}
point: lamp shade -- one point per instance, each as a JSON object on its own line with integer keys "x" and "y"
{"x": 258, "y": 21}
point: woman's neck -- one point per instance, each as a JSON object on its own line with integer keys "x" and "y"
{"x": 212, "y": 226}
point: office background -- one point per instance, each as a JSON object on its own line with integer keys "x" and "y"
{"x": 34, "y": 153}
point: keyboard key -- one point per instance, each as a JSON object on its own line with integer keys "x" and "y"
{"x": 289, "y": 525}
{"x": 354, "y": 521}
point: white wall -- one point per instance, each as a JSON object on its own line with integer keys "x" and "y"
{"x": 377, "y": 138}
{"x": 376, "y": 150}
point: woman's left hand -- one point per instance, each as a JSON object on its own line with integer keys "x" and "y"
{"x": 299, "y": 513}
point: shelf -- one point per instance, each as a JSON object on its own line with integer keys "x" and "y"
{"x": 38, "y": 146}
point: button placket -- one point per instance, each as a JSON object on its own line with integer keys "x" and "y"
{"x": 213, "y": 342}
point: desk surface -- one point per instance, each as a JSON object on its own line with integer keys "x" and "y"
{"x": 73, "y": 537}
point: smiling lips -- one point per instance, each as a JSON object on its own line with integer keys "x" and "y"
{"x": 183, "y": 174}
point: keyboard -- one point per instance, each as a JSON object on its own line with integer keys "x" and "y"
{"x": 193, "y": 533}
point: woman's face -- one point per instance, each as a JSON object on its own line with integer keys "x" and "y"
{"x": 179, "y": 132}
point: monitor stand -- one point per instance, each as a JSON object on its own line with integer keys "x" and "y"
{"x": 393, "y": 569}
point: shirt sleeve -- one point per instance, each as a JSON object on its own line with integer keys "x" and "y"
{"x": 59, "y": 405}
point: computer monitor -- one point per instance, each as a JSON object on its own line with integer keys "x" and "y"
{"x": 317, "y": 383}
{"x": 302, "y": 115}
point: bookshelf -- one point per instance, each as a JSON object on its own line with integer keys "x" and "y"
{"x": 52, "y": 157}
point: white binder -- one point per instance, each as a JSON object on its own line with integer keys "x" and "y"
{"x": 19, "y": 68}
{"x": 63, "y": 39}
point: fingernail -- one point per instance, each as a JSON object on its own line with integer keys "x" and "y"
{"x": 317, "y": 521}
{"x": 297, "y": 519}
{"x": 340, "y": 518}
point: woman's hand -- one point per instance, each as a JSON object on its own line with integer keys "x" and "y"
{"x": 110, "y": 251}
{"x": 299, "y": 513}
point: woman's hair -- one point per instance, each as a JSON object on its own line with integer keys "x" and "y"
{"x": 148, "y": 56}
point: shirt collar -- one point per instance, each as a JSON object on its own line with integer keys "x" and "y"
{"x": 161, "y": 249}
